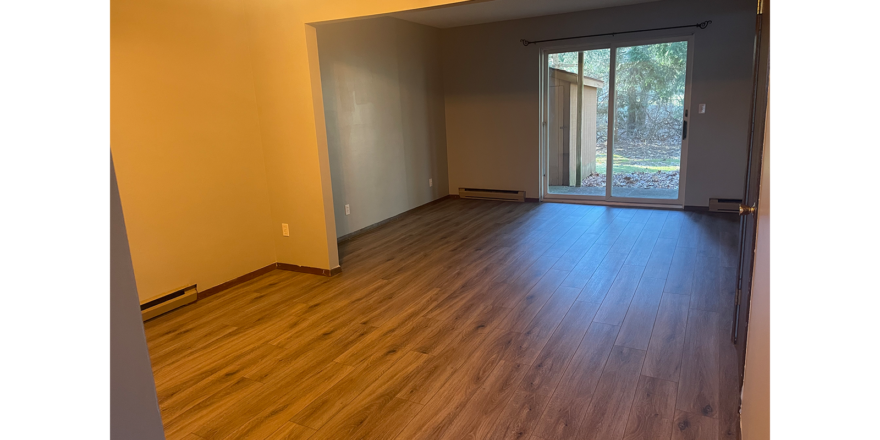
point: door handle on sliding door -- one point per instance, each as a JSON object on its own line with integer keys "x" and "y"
{"x": 684, "y": 130}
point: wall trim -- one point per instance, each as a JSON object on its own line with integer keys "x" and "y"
{"x": 369, "y": 228}
{"x": 264, "y": 270}
{"x": 236, "y": 281}
{"x": 312, "y": 270}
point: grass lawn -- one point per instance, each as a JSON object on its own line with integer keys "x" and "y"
{"x": 627, "y": 165}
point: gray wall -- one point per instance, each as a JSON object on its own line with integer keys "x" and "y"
{"x": 134, "y": 408}
{"x": 383, "y": 102}
{"x": 491, "y": 84}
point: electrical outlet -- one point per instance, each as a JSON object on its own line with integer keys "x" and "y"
{"x": 285, "y": 231}
{"x": 347, "y": 210}
{"x": 430, "y": 182}
{"x": 702, "y": 108}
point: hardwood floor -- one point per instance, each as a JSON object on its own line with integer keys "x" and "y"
{"x": 471, "y": 320}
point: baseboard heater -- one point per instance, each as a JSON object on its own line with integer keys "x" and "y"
{"x": 166, "y": 302}
{"x": 492, "y": 194}
{"x": 724, "y": 205}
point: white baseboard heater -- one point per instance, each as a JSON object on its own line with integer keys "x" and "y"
{"x": 166, "y": 302}
{"x": 492, "y": 194}
{"x": 724, "y": 205}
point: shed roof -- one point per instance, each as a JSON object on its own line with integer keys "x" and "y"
{"x": 567, "y": 76}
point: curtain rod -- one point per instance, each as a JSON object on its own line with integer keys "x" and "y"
{"x": 702, "y": 25}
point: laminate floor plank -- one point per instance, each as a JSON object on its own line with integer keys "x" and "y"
{"x": 652, "y": 410}
{"x": 627, "y": 238}
{"x": 642, "y": 248}
{"x": 471, "y": 319}
{"x": 660, "y": 259}
{"x": 571, "y": 257}
{"x": 635, "y": 332}
{"x": 547, "y": 369}
{"x": 688, "y": 426}
{"x": 478, "y": 417}
{"x": 520, "y": 417}
{"x": 706, "y": 283}
{"x": 339, "y": 396}
{"x": 445, "y": 405}
{"x": 438, "y": 370}
{"x": 376, "y": 397}
{"x": 690, "y": 232}
{"x": 279, "y": 403}
{"x": 619, "y": 296}
{"x": 680, "y": 278}
{"x": 531, "y": 340}
{"x": 700, "y": 384}
{"x": 528, "y": 307}
{"x": 671, "y": 228}
{"x": 592, "y": 258}
{"x": 291, "y": 431}
{"x": 728, "y": 414}
{"x": 613, "y": 261}
{"x": 597, "y": 286}
{"x": 663, "y": 360}
{"x": 606, "y": 416}
{"x": 656, "y": 219}
{"x": 565, "y": 410}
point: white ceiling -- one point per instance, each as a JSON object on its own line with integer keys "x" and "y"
{"x": 500, "y": 10}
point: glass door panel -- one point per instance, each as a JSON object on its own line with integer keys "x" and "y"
{"x": 561, "y": 119}
{"x": 577, "y": 122}
{"x": 597, "y": 68}
{"x": 649, "y": 120}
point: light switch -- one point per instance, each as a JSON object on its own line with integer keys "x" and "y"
{"x": 702, "y": 108}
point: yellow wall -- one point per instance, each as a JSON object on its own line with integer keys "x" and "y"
{"x": 186, "y": 140}
{"x": 218, "y": 135}
{"x": 288, "y": 84}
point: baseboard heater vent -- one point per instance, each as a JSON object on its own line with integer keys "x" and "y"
{"x": 167, "y": 302}
{"x": 492, "y": 194}
{"x": 724, "y": 205}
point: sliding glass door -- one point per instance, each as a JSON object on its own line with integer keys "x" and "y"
{"x": 615, "y": 122}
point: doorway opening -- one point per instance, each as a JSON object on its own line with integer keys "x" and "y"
{"x": 615, "y": 121}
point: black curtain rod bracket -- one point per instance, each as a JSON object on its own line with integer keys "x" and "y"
{"x": 702, "y": 25}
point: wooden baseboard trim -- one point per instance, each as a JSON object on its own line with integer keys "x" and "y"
{"x": 366, "y": 229}
{"x": 311, "y": 270}
{"x": 236, "y": 281}
{"x": 262, "y": 271}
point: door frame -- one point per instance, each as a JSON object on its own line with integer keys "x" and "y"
{"x": 752, "y": 190}
{"x": 544, "y": 149}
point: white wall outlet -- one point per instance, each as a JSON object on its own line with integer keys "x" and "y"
{"x": 285, "y": 231}
{"x": 430, "y": 182}
{"x": 347, "y": 210}
{"x": 702, "y": 108}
